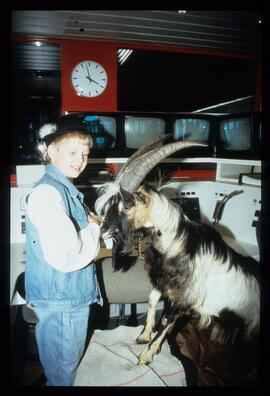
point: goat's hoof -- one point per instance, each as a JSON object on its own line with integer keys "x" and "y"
{"x": 146, "y": 357}
{"x": 143, "y": 360}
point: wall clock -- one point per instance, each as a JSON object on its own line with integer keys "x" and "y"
{"x": 89, "y": 79}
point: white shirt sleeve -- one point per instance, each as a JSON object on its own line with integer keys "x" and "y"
{"x": 63, "y": 247}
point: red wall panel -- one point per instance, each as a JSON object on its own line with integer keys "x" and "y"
{"x": 75, "y": 51}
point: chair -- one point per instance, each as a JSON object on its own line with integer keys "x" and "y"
{"x": 117, "y": 287}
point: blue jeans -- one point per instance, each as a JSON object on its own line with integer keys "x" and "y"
{"x": 61, "y": 337}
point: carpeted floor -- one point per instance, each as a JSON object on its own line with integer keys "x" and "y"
{"x": 115, "y": 352}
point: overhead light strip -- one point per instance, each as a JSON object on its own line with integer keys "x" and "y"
{"x": 223, "y": 104}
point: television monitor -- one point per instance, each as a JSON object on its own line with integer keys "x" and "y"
{"x": 238, "y": 136}
{"x": 104, "y": 129}
{"x": 191, "y": 128}
{"x": 142, "y": 129}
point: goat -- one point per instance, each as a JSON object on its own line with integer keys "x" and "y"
{"x": 188, "y": 263}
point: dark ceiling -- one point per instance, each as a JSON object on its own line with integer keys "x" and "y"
{"x": 227, "y": 30}
{"x": 38, "y": 68}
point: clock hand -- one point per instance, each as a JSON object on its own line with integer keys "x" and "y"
{"x": 94, "y": 81}
{"x": 88, "y": 77}
{"x": 90, "y": 80}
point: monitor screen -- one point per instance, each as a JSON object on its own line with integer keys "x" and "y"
{"x": 102, "y": 129}
{"x": 235, "y": 134}
{"x": 140, "y": 130}
{"x": 190, "y": 129}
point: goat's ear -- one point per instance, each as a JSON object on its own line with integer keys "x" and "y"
{"x": 143, "y": 198}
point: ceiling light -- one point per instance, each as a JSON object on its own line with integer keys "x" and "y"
{"x": 123, "y": 54}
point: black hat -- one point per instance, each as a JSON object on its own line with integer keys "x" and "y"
{"x": 50, "y": 132}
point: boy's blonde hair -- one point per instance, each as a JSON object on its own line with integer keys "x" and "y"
{"x": 86, "y": 138}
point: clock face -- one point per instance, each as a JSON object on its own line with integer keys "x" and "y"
{"x": 89, "y": 78}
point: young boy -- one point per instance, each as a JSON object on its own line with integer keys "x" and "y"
{"x": 62, "y": 240}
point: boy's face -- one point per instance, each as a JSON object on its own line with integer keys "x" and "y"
{"x": 70, "y": 156}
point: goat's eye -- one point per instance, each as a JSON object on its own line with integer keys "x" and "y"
{"x": 128, "y": 205}
{"x": 102, "y": 214}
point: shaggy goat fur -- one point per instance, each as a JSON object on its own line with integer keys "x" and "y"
{"x": 188, "y": 264}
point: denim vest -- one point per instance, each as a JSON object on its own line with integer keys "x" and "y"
{"x": 44, "y": 285}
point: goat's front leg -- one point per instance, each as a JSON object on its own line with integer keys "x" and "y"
{"x": 145, "y": 335}
{"x": 167, "y": 323}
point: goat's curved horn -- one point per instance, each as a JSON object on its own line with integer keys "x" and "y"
{"x": 142, "y": 150}
{"x": 143, "y": 164}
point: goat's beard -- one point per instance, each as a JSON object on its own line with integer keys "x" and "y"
{"x": 118, "y": 228}
{"x": 121, "y": 260}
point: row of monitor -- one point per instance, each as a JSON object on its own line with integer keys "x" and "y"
{"x": 120, "y": 134}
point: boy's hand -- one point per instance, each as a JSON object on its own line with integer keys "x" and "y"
{"x": 93, "y": 219}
